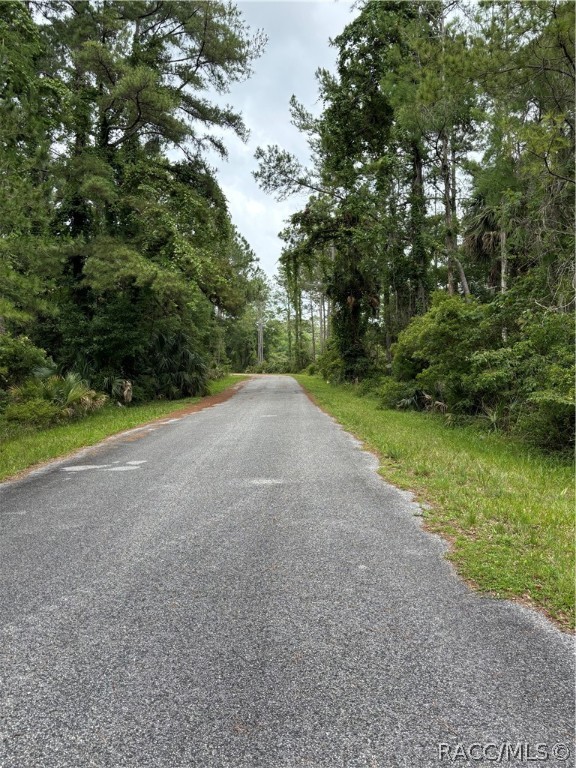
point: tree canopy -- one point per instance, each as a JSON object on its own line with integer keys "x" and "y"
{"x": 118, "y": 256}
{"x": 443, "y": 168}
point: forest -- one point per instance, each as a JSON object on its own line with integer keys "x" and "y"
{"x": 433, "y": 259}
{"x": 120, "y": 266}
{"x": 432, "y": 262}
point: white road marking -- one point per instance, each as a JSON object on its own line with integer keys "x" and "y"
{"x": 82, "y": 467}
{"x": 265, "y": 481}
{"x": 107, "y": 467}
{"x": 121, "y": 469}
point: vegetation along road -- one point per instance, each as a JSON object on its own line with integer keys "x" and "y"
{"x": 240, "y": 588}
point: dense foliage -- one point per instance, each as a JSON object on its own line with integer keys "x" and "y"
{"x": 438, "y": 236}
{"x": 118, "y": 259}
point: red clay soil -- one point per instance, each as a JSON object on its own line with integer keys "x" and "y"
{"x": 206, "y": 402}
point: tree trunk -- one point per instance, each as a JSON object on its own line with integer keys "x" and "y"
{"x": 313, "y": 331}
{"x": 503, "y": 263}
{"x": 260, "y": 341}
{"x": 386, "y": 314}
{"x": 448, "y": 172}
{"x": 503, "y": 275}
{"x": 322, "y": 322}
{"x": 289, "y": 327}
{"x": 299, "y": 346}
{"x": 417, "y": 220}
{"x": 462, "y": 274}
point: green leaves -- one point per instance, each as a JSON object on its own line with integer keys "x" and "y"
{"x": 455, "y": 353}
{"x": 106, "y": 246}
{"x": 111, "y": 265}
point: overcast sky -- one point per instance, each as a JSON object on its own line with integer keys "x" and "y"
{"x": 298, "y": 33}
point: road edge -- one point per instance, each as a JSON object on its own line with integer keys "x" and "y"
{"x": 524, "y": 602}
{"x": 209, "y": 401}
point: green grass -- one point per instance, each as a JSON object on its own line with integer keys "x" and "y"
{"x": 34, "y": 446}
{"x": 508, "y": 510}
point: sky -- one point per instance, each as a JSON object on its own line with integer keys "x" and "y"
{"x": 298, "y": 33}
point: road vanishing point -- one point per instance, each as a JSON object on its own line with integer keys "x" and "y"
{"x": 238, "y": 588}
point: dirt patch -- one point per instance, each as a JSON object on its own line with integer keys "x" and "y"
{"x": 206, "y": 402}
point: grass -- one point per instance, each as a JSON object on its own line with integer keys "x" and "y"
{"x": 507, "y": 510}
{"x": 34, "y": 446}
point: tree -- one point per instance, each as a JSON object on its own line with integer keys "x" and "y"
{"x": 30, "y": 107}
{"x": 127, "y": 261}
{"x": 399, "y": 198}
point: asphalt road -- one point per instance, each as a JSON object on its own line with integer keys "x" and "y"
{"x": 239, "y": 588}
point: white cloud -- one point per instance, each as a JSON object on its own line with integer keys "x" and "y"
{"x": 298, "y": 32}
{"x": 242, "y": 204}
{"x": 259, "y": 219}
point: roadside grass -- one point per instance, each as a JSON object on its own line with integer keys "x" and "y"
{"x": 506, "y": 509}
{"x": 34, "y": 446}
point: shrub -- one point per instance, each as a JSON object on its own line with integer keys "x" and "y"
{"x": 275, "y": 366}
{"x": 530, "y": 383}
{"x": 72, "y": 394}
{"x": 111, "y": 383}
{"x": 435, "y": 350}
{"x": 216, "y": 372}
{"x": 280, "y": 366}
{"x": 18, "y": 359}
{"x": 547, "y": 421}
{"x": 64, "y": 397}
{"x": 36, "y": 412}
{"x": 371, "y": 385}
{"x": 455, "y": 358}
{"x": 330, "y": 364}
{"x": 398, "y": 394}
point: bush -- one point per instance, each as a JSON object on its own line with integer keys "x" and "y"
{"x": 435, "y": 350}
{"x": 330, "y": 364}
{"x": 398, "y": 394}
{"x": 531, "y": 382}
{"x": 36, "y": 412}
{"x": 276, "y": 366}
{"x": 41, "y": 401}
{"x": 72, "y": 394}
{"x": 19, "y": 357}
{"x": 216, "y": 372}
{"x": 371, "y": 385}
{"x": 547, "y": 421}
{"x": 454, "y": 359}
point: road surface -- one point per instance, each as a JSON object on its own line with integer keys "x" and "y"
{"x": 239, "y": 589}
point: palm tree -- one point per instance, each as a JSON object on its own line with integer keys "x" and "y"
{"x": 485, "y": 240}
